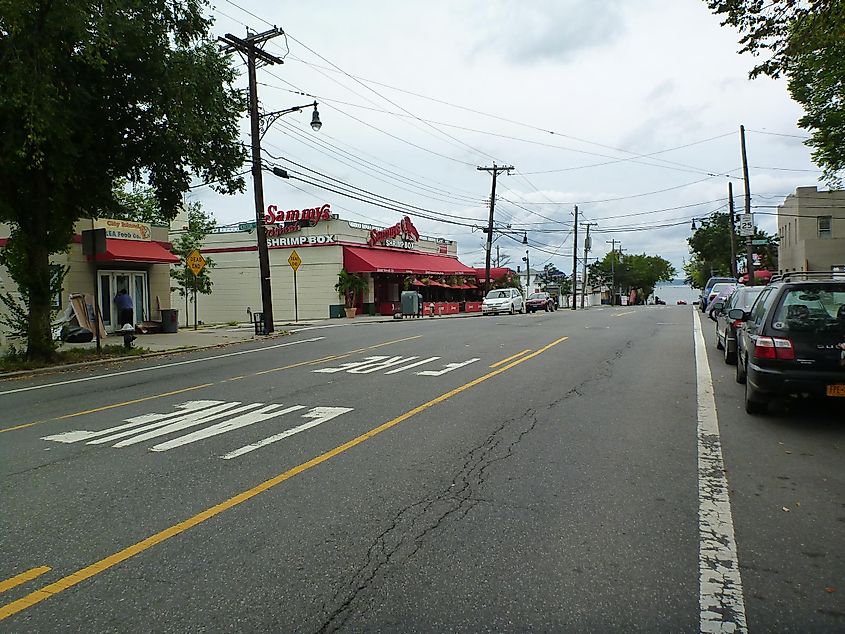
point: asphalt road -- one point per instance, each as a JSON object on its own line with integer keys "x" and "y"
{"x": 545, "y": 472}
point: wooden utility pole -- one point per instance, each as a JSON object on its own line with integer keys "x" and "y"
{"x": 748, "y": 248}
{"x": 587, "y": 246}
{"x": 732, "y": 228}
{"x": 249, "y": 48}
{"x": 575, "y": 262}
{"x": 489, "y": 231}
{"x": 612, "y": 271}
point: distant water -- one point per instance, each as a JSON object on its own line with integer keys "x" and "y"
{"x": 671, "y": 293}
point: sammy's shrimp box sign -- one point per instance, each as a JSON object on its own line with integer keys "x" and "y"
{"x": 124, "y": 229}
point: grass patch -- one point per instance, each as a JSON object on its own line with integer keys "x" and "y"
{"x": 15, "y": 360}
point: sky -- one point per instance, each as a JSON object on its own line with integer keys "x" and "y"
{"x": 630, "y": 109}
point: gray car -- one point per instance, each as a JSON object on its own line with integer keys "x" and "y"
{"x": 743, "y": 297}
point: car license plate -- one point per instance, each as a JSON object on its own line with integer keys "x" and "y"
{"x": 837, "y": 389}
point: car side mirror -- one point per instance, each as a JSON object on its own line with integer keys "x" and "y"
{"x": 718, "y": 307}
{"x": 737, "y": 314}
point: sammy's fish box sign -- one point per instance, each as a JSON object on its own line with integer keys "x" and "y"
{"x": 124, "y": 229}
{"x": 278, "y": 223}
{"x": 403, "y": 234}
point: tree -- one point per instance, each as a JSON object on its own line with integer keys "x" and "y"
{"x": 200, "y": 224}
{"x": 632, "y": 271}
{"x": 135, "y": 201}
{"x": 805, "y": 42}
{"x": 93, "y": 92}
{"x": 710, "y": 247}
{"x": 551, "y": 276}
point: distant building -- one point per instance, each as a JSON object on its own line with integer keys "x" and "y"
{"x": 811, "y": 226}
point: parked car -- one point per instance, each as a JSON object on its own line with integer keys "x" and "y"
{"x": 720, "y": 289}
{"x": 540, "y": 301}
{"x": 743, "y": 297}
{"x": 704, "y": 299}
{"x": 503, "y": 300}
{"x": 792, "y": 341}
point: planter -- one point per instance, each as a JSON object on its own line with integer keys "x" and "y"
{"x": 350, "y": 312}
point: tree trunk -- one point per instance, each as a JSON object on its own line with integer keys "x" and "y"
{"x": 39, "y": 338}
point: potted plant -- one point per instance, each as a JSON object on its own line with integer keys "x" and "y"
{"x": 348, "y": 286}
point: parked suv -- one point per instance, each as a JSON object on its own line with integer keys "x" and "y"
{"x": 792, "y": 341}
{"x": 705, "y": 292}
{"x": 503, "y": 300}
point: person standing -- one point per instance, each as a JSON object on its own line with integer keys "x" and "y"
{"x": 123, "y": 302}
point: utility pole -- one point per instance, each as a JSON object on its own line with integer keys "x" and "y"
{"x": 733, "y": 236}
{"x": 527, "y": 274}
{"x": 587, "y": 246}
{"x": 498, "y": 257}
{"x": 250, "y": 49}
{"x": 575, "y": 262}
{"x": 495, "y": 171}
{"x": 612, "y": 271}
{"x": 748, "y": 248}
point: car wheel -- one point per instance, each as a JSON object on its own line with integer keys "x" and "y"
{"x": 739, "y": 373}
{"x": 511, "y": 311}
{"x": 753, "y": 402}
{"x": 730, "y": 356}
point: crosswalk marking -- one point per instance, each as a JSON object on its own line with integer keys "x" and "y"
{"x": 235, "y": 415}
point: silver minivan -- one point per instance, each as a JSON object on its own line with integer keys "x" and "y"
{"x": 503, "y": 300}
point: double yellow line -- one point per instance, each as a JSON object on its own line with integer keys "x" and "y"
{"x": 33, "y": 598}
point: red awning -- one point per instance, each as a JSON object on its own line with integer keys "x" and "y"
{"x": 136, "y": 251}
{"x": 363, "y": 260}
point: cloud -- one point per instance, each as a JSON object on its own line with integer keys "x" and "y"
{"x": 546, "y": 30}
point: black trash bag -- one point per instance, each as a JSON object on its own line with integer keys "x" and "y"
{"x": 76, "y": 334}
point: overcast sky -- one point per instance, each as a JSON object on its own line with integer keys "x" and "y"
{"x": 634, "y": 100}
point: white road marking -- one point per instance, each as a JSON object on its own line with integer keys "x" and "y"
{"x": 79, "y": 435}
{"x": 320, "y": 416}
{"x": 721, "y": 603}
{"x": 250, "y": 418}
{"x": 446, "y": 368}
{"x": 158, "y": 367}
{"x": 413, "y": 365}
{"x": 382, "y": 365}
{"x": 350, "y": 365}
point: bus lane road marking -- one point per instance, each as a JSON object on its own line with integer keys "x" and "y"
{"x": 205, "y": 385}
{"x": 91, "y": 570}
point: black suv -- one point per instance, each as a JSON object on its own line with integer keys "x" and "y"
{"x": 792, "y": 341}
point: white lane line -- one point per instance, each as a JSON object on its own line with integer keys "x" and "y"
{"x": 158, "y": 367}
{"x": 721, "y": 603}
{"x": 250, "y": 418}
{"x": 320, "y": 416}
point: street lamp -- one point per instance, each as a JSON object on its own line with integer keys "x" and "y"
{"x": 259, "y": 125}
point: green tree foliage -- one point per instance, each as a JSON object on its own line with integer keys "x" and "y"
{"x": 135, "y": 201}
{"x": 632, "y": 271}
{"x": 95, "y": 91}
{"x": 200, "y": 224}
{"x": 551, "y": 276}
{"x": 710, "y": 248}
{"x": 805, "y": 42}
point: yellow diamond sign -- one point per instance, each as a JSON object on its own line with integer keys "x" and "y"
{"x": 294, "y": 260}
{"x": 195, "y": 261}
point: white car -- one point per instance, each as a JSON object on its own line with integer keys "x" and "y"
{"x": 503, "y": 300}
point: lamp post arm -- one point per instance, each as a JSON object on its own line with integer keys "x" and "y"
{"x": 267, "y": 119}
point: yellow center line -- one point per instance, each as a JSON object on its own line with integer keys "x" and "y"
{"x": 104, "y": 564}
{"x": 628, "y": 312}
{"x": 197, "y": 387}
{"x": 17, "y": 580}
{"x": 503, "y": 361}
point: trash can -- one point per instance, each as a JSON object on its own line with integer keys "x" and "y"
{"x": 169, "y": 320}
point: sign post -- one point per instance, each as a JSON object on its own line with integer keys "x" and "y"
{"x": 295, "y": 261}
{"x": 196, "y": 263}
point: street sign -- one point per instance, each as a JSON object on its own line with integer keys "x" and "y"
{"x": 195, "y": 262}
{"x": 760, "y": 242}
{"x": 246, "y": 226}
{"x": 294, "y": 260}
{"x": 746, "y": 225}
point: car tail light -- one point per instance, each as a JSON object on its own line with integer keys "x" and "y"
{"x": 736, "y": 324}
{"x": 774, "y": 348}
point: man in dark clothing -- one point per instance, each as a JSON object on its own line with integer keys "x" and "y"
{"x": 124, "y": 307}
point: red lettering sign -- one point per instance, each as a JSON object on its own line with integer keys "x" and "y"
{"x": 404, "y": 228}
{"x": 314, "y": 215}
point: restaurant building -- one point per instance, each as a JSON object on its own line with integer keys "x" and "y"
{"x": 137, "y": 259}
{"x": 392, "y": 259}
